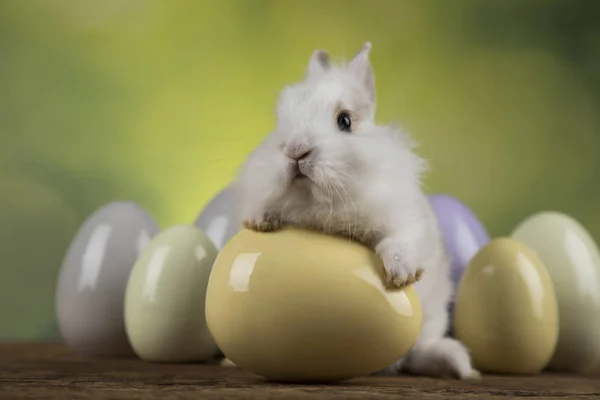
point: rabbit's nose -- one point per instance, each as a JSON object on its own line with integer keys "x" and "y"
{"x": 299, "y": 154}
{"x": 303, "y": 156}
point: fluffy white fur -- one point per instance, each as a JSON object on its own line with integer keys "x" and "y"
{"x": 365, "y": 185}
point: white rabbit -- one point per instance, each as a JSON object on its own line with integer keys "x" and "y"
{"x": 328, "y": 166}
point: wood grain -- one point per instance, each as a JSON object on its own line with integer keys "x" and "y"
{"x": 50, "y": 371}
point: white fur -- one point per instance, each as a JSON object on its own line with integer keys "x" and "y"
{"x": 365, "y": 185}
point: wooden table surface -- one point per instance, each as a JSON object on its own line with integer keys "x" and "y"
{"x": 50, "y": 371}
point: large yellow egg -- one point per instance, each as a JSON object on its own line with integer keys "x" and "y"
{"x": 301, "y": 306}
{"x": 506, "y": 311}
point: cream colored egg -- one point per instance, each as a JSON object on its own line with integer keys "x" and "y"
{"x": 573, "y": 261}
{"x": 165, "y": 297}
{"x": 296, "y": 305}
{"x": 506, "y": 311}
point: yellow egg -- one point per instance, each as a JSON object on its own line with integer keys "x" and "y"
{"x": 506, "y": 310}
{"x": 297, "y": 305}
{"x": 165, "y": 297}
{"x": 573, "y": 262}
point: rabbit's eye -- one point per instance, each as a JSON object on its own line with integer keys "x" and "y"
{"x": 344, "y": 122}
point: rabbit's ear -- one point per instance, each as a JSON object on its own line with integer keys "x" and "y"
{"x": 318, "y": 63}
{"x": 360, "y": 67}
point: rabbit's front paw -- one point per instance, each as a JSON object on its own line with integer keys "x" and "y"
{"x": 400, "y": 270}
{"x": 262, "y": 223}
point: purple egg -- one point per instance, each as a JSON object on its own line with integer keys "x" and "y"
{"x": 463, "y": 236}
{"x": 462, "y": 232}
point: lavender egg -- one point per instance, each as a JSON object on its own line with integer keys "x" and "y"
{"x": 219, "y": 219}
{"x": 92, "y": 280}
{"x": 462, "y": 232}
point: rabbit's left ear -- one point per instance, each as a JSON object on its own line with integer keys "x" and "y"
{"x": 318, "y": 63}
{"x": 360, "y": 67}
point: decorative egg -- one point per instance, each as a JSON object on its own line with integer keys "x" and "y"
{"x": 506, "y": 311}
{"x": 573, "y": 262}
{"x": 462, "y": 232}
{"x": 219, "y": 219}
{"x": 91, "y": 283}
{"x": 165, "y": 298}
{"x": 301, "y": 306}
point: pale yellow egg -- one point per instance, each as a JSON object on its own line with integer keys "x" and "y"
{"x": 506, "y": 311}
{"x": 297, "y": 305}
{"x": 165, "y": 297}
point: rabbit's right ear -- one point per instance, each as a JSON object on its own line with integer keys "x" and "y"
{"x": 361, "y": 69}
{"x": 318, "y": 64}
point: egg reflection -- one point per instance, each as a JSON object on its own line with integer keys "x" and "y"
{"x": 399, "y": 300}
{"x": 239, "y": 276}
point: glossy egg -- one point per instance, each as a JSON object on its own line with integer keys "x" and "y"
{"x": 91, "y": 283}
{"x": 573, "y": 262}
{"x": 301, "y": 306}
{"x": 219, "y": 218}
{"x": 165, "y": 298}
{"x": 462, "y": 231}
{"x": 506, "y": 311}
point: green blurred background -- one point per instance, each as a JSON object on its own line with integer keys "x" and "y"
{"x": 159, "y": 101}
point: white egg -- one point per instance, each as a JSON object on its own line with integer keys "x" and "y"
{"x": 92, "y": 279}
{"x": 573, "y": 261}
